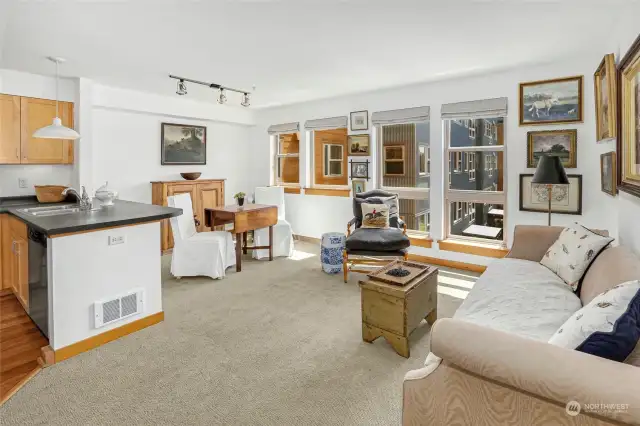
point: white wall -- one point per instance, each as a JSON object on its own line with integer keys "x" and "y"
{"x": 36, "y": 86}
{"x": 104, "y": 273}
{"x": 311, "y": 216}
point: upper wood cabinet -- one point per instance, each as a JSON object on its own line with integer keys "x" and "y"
{"x": 20, "y": 117}
{"x": 9, "y": 129}
{"x": 205, "y": 193}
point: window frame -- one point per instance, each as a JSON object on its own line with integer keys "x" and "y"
{"x": 327, "y": 160}
{"x": 424, "y": 148}
{"x": 277, "y": 180}
{"x": 402, "y": 160}
{"x": 471, "y": 165}
{"x": 472, "y": 129}
{"x": 473, "y": 196}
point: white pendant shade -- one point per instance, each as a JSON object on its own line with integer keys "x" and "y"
{"x": 56, "y": 131}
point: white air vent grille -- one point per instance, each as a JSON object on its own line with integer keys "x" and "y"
{"x": 108, "y": 311}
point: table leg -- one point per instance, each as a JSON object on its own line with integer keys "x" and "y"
{"x": 271, "y": 243}
{"x": 238, "y": 252}
{"x": 244, "y": 242}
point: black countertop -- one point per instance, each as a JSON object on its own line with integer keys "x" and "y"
{"x": 120, "y": 214}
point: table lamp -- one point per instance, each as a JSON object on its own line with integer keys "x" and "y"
{"x": 550, "y": 172}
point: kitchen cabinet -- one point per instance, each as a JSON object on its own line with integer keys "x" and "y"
{"x": 19, "y": 118}
{"x": 15, "y": 257}
{"x": 205, "y": 193}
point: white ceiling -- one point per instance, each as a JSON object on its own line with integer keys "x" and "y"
{"x": 301, "y": 50}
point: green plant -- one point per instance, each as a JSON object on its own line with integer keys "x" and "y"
{"x": 239, "y": 195}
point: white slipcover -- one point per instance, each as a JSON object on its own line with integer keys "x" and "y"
{"x": 197, "y": 253}
{"x": 282, "y": 233}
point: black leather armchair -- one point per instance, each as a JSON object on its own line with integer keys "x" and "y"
{"x": 372, "y": 246}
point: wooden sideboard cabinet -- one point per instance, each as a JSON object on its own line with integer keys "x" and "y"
{"x": 19, "y": 118}
{"x": 205, "y": 193}
{"x": 14, "y": 258}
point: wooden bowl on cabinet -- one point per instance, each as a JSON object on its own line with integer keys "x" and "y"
{"x": 191, "y": 176}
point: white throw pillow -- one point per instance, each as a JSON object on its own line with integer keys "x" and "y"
{"x": 375, "y": 215}
{"x": 608, "y": 327}
{"x": 572, "y": 253}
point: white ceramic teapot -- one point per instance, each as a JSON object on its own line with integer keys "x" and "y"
{"x": 106, "y": 195}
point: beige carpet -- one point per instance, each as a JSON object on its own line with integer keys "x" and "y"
{"x": 277, "y": 344}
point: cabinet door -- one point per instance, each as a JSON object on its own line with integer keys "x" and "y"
{"x": 37, "y": 113}
{"x": 182, "y": 188}
{"x": 21, "y": 272}
{"x": 7, "y": 252}
{"x": 9, "y": 129}
{"x": 209, "y": 195}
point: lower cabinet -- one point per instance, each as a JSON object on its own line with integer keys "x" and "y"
{"x": 14, "y": 248}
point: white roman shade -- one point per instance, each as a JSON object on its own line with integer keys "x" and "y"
{"x": 283, "y": 128}
{"x": 485, "y": 108}
{"x": 395, "y": 116}
{"x": 326, "y": 123}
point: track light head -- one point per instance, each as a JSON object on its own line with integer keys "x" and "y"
{"x": 222, "y": 98}
{"x": 246, "y": 100}
{"x": 182, "y": 88}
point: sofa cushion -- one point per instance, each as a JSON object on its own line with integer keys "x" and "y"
{"x": 608, "y": 327}
{"x": 634, "y": 358}
{"x": 388, "y": 239}
{"x": 613, "y": 266}
{"x": 521, "y": 297}
{"x": 391, "y": 201}
{"x": 572, "y": 253}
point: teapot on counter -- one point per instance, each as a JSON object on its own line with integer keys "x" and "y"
{"x": 106, "y": 195}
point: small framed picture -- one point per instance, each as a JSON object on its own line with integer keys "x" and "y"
{"x": 358, "y": 186}
{"x": 358, "y": 145}
{"x": 565, "y": 199}
{"x": 559, "y": 143}
{"x": 359, "y": 169}
{"x": 608, "y": 174}
{"x": 551, "y": 101}
{"x": 360, "y": 120}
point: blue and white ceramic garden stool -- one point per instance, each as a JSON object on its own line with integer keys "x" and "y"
{"x": 333, "y": 244}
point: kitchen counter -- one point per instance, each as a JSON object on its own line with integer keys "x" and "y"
{"x": 7, "y": 203}
{"x": 120, "y": 214}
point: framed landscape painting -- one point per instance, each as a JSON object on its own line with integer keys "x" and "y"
{"x": 559, "y": 143}
{"x": 358, "y": 144}
{"x": 629, "y": 140}
{"x": 183, "y": 144}
{"x": 605, "y": 83}
{"x": 551, "y": 101}
{"x": 565, "y": 199}
{"x": 608, "y": 172}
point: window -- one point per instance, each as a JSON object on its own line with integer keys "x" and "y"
{"x": 333, "y": 156}
{"x": 405, "y": 166}
{"x": 329, "y": 158}
{"x": 394, "y": 160}
{"x": 287, "y": 161}
{"x": 467, "y": 200}
{"x": 458, "y": 162}
{"x": 471, "y": 165}
{"x": 424, "y": 221}
{"x": 423, "y": 160}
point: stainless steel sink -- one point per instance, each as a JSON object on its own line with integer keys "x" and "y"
{"x": 54, "y": 210}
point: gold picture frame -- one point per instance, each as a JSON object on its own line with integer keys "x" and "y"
{"x": 608, "y": 172}
{"x": 605, "y": 83}
{"x": 629, "y": 137}
{"x": 358, "y": 145}
{"x": 358, "y": 186}
{"x": 545, "y": 142}
{"x": 554, "y": 101}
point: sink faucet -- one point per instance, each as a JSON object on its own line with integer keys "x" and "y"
{"x": 83, "y": 200}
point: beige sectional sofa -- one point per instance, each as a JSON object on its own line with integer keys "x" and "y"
{"x": 491, "y": 364}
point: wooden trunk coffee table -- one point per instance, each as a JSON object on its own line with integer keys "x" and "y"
{"x": 393, "y": 311}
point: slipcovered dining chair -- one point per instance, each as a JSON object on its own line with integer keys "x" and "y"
{"x": 282, "y": 233}
{"x": 197, "y": 253}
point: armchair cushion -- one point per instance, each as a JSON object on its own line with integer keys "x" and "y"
{"x": 378, "y": 240}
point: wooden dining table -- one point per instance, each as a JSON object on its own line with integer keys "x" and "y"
{"x": 244, "y": 218}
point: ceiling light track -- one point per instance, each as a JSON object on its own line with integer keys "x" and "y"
{"x": 222, "y": 98}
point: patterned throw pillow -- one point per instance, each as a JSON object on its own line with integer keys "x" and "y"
{"x": 375, "y": 215}
{"x": 572, "y": 253}
{"x": 608, "y": 327}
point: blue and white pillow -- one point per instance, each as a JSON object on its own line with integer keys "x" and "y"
{"x": 608, "y": 327}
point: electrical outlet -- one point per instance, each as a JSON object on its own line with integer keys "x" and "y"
{"x": 116, "y": 239}
{"x": 22, "y": 182}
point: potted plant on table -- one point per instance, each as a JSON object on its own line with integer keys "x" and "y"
{"x": 240, "y": 198}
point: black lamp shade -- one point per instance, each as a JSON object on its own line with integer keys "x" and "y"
{"x": 550, "y": 171}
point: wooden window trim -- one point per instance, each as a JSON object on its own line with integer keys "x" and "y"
{"x": 419, "y": 239}
{"x": 330, "y": 192}
{"x": 447, "y": 263}
{"x": 476, "y": 248}
{"x": 395, "y": 160}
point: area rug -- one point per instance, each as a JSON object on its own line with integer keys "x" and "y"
{"x": 276, "y": 344}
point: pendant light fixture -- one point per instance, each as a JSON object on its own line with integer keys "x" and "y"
{"x": 56, "y": 130}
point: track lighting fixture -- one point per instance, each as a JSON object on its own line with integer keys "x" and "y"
{"x": 182, "y": 88}
{"x": 246, "y": 101}
{"x": 222, "y": 96}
